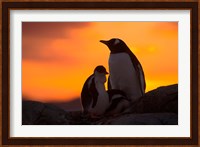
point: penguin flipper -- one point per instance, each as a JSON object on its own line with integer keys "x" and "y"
{"x": 140, "y": 72}
{"x": 141, "y": 79}
{"x": 109, "y": 84}
{"x": 86, "y": 97}
{"x": 94, "y": 93}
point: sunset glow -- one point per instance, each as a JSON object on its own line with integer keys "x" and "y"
{"x": 58, "y": 57}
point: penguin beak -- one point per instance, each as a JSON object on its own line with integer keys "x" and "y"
{"x": 104, "y": 42}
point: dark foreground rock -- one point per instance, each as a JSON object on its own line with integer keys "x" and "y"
{"x": 142, "y": 119}
{"x": 160, "y": 100}
{"x": 36, "y": 113}
{"x": 157, "y": 107}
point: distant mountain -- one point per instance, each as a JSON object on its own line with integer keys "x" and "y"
{"x": 73, "y": 105}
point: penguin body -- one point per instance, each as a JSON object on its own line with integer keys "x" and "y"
{"x": 118, "y": 102}
{"x": 123, "y": 75}
{"x": 94, "y": 97}
{"x": 102, "y": 102}
{"x": 126, "y": 72}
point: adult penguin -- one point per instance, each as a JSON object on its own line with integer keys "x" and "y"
{"x": 94, "y": 97}
{"x": 126, "y": 72}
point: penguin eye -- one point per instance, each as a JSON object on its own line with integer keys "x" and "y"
{"x": 116, "y": 41}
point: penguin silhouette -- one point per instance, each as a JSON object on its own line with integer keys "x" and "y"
{"x": 126, "y": 73}
{"x": 118, "y": 102}
{"x": 94, "y": 97}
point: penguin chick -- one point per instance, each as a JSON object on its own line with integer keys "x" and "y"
{"x": 94, "y": 97}
{"x": 118, "y": 102}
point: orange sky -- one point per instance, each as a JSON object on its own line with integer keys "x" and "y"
{"x": 58, "y": 57}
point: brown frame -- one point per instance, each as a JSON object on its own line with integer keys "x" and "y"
{"x": 7, "y": 140}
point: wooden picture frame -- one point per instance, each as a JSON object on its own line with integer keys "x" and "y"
{"x": 7, "y": 140}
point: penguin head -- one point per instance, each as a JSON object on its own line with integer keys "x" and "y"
{"x": 100, "y": 73}
{"x": 100, "y": 69}
{"x": 115, "y": 45}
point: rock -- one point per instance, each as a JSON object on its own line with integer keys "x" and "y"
{"x": 157, "y": 107}
{"x": 160, "y": 100}
{"x": 36, "y": 113}
{"x": 142, "y": 119}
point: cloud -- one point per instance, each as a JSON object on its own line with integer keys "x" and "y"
{"x": 50, "y": 29}
{"x": 38, "y": 39}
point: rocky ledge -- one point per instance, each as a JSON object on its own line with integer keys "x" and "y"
{"x": 157, "y": 107}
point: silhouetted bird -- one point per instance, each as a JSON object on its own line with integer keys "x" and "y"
{"x": 126, "y": 73}
{"x": 94, "y": 97}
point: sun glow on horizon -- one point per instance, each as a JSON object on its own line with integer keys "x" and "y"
{"x": 57, "y": 57}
